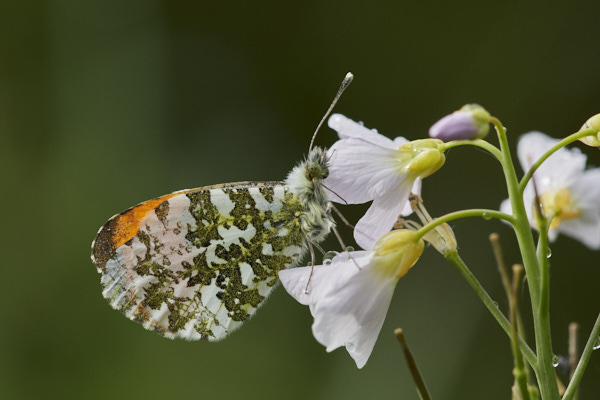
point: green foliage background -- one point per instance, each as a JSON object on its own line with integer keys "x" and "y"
{"x": 106, "y": 103}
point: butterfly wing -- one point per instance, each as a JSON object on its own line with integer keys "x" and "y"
{"x": 197, "y": 263}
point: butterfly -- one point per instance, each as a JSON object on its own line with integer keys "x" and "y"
{"x": 197, "y": 263}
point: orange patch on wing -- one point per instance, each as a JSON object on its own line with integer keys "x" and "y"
{"x": 123, "y": 227}
{"x": 128, "y": 223}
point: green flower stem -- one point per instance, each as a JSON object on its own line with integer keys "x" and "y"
{"x": 568, "y": 140}
{"x": 491, "y": 305}
{"x": 493, "y": 150}
{"x": 541, "y": 320}
{"x": 583, "y": 361}
{"x": 476, "y": 212}
{"x": 543, "y": 309}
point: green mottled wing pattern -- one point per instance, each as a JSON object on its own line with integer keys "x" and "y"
{"x": 197, "y": 263}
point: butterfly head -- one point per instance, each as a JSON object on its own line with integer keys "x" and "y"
{"x": 317, "y": 164}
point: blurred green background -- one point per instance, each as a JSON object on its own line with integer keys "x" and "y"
{"x": 104, "y": 104}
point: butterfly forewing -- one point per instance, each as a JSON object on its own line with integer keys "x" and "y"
{"x": 197, "y": 263}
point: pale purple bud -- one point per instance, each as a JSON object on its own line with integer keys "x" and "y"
{"x": 470, "y": 122}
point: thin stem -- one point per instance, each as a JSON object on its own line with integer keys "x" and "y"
{"x": 491, "y": 305}
{"x": 500, "y": 263}
{"x": 412, "y": 366}
{"x": 481, "y": 212}
{"x": 568, "y": 140}
{"x": 519, "y": 370}
{"x": 511, "y": 293}
{"x": 490, "y": 148}
{"x": 573, "y": 352}
{"x": 543, "y": 339}
{"x": 585, "y": 358}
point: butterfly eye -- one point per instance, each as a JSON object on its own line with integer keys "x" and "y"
{"x": 316, "y": 170}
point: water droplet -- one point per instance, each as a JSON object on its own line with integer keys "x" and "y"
{"x": 563, "y": 365}
{"x": 548, "y": 252}
{"x": 327, "y": 257}
{"x": 555, "y": 361}
{"x": 349, "y": 248}
{"x": 487, "y": 216}
{"x": 596, "y": 344}
{"x": 496, "y": 304}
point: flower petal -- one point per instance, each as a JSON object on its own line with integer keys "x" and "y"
{"x": 506, "y": 207}
{"x": 353, "y": 316}
{"x": 325, "y": 279}
{"x": 585, "y": 192}
{"x": 381, "y": 216}
{"x": 347, "y": 128}
{"x": 360, "y": 171}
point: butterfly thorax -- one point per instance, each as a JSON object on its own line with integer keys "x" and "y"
{"x": 305, "y": 180}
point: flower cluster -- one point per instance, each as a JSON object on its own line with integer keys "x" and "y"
{"x": 349, "y": 296}
{"x": 367, "y": 166}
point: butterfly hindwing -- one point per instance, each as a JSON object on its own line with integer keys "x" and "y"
{"x": 197, "y": 263}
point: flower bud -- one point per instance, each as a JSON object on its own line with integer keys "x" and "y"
{"x": 422, "y": 157}
{"x": 396, "y": 252}
{"x": 592, "y": 123}
{"x": 470, "y": 122}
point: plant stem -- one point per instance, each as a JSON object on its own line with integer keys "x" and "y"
{"x": 568, "y": 140}
{"x": 493, "y": 150}
{"x": 491, "y": 305}
{"x": 573, "y": 352}
{"x": 500, "y": 263}
{"x": 412, "y": 366}
{"x": 513, "y": 300}
{"x": 583, "y": 361}
{"x": 544, "y": 370}
{"x": 477, "y": 212}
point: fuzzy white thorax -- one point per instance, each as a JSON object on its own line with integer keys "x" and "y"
{"x": 305, "y": 181}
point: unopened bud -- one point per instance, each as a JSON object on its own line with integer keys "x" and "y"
{"x": 396, "y": 252}
{"x": 592, "y": 123}
{"x": 422, "y": 157}
{"x": 469, "y": 123}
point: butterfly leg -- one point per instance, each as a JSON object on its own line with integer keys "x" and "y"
{"x": 330, "y": 206}
{"x": 312, "y": 263}
{"x": 340, "y": 215}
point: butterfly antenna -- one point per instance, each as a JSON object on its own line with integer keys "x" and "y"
{"x": 347, "y": 79}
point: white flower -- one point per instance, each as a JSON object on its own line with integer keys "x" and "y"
{"x": 349, "y": 304}
{"x": 365, "y": 165}
{"x": 566, "y": 189}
